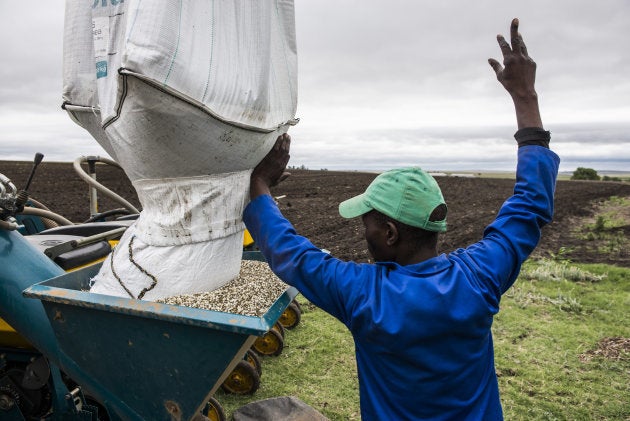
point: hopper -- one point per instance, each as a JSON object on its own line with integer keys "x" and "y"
{"x": 146, "y": 360}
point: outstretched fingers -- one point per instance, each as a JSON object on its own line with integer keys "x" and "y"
{"x": 282, "y": 148}
{"x": 496, "y": 66}
{"x": 518, "y": 45}
{"x": 271, "y": 169}
{"x": 283, "y": 143}
{"x": 506, "y": 50}
{"x": 286, "y": 142}
{"x": 522, "y": 44}
{"x": 515, "y": 37}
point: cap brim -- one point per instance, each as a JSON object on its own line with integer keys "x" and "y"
{"x": 354, "y": 207}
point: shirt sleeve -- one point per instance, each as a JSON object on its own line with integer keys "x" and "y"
{"x": 508, "y": 241}
{"x": 327, "y": 282}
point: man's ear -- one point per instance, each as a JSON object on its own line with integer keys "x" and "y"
{"x": 391, "y": 233}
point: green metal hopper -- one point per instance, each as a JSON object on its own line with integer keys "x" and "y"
{"x": 145, "y": 360}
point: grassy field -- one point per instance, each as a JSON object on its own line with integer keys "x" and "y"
{"x": 561, "y": 343}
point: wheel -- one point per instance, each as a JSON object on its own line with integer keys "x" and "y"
{"x": 291, "y": 316}
{"x": 271, "y": 343}
{"x": 214, "y": 411}
{"x": 297, "y": 303}
{"x": 243, "y": 380}
{"x": 254, "y": 361}
{"x": 277, "y": 326}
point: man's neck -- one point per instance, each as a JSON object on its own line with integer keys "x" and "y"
{"x": 418, "y": 256}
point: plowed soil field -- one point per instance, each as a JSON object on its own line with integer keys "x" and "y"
{"x": 309, "y": 200}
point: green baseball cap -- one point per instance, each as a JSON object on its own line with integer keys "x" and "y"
{"x": 408, "y": 195}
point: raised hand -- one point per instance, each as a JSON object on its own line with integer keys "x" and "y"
{"x": 518, "y": 77}
{"x": 271, "y": 170}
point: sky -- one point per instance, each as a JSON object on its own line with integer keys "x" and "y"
{"x": 383, "y": 84}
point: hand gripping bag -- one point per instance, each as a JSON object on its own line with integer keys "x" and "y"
{"x": 187, "y": 96}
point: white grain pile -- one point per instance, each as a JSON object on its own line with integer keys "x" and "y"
{"x": 251, "y": 293}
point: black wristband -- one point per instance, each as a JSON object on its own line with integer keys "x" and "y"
{"x": 532, "y": 136}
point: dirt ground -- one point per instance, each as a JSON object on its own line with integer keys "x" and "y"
{"x": 309, "y": 200}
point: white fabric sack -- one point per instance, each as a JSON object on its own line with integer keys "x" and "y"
{"x": 187, "y": 96}
{"x": 184, "y": 269}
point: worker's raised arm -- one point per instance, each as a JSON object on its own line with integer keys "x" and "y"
{"x": 518, "y": 77}
{"x": 514, "y": 234}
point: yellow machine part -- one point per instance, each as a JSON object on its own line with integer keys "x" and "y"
{"x": 10, "y": 338}
{"x": 247, "y": 239}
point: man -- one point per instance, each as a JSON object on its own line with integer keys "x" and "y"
{"x": 420, "y": 320}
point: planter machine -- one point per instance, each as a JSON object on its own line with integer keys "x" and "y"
{"x": 68, "y": 354}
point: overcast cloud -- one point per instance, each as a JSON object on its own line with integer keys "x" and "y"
{"x": 383, "y": 83}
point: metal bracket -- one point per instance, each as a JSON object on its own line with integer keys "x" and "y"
{"x": 59, "y": 249}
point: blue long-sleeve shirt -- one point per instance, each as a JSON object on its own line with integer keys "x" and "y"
{"x": 422, "y": 331}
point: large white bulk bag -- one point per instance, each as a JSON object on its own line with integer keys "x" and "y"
{"x": 187, "y": 96}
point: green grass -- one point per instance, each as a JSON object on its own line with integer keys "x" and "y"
{"x": 605, "y": 234}
{"x": 546, "y": 347}
{"x": 545, "y": 337}
{"x": 317, "y": 365}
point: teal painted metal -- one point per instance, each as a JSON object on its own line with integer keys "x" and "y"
{"x": 147, "y": 360}
{"x": 22, "y": 265}
{"x": 29, "y": 224}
